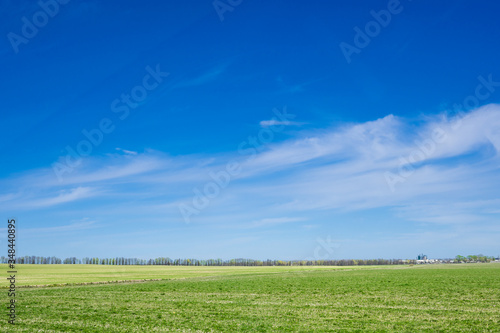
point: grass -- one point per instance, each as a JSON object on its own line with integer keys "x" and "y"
{"x": 434, "y": 298}
{"x": 32, "y": 275}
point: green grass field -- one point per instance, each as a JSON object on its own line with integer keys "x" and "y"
{"x": 434, "y": 298}
{"x": 32, "y": 275}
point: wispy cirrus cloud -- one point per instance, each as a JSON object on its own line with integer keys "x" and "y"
{"x": 274, "y": 221}
{"x": 128, "y": 152}
{"x": 335, "y": 170}
{"x": 83, "y": 224}
{"x": 275, "y": 122}
{"x": 204, "y": 78}
{"x": 64, "y": 196}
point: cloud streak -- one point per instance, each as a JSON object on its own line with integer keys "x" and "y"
{"x": 335, "y": 170}
{"x": 274, "y": 122}
{"x": 65, "y": 196}
{"x": 84, "y": 224}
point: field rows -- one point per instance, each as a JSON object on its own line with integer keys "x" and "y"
{"x": 31, "y": 275}
{"x": 448, "y": 298}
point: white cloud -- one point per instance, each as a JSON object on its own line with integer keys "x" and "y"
{"x": 83, "y": 224}
{"x": 204, "y": 78}
{"x": 63, "y": 197}
{"x": 274, "y": 221}
{"x": 336, "y": 170}
{"x": 129, "y": 152}
{"x": 275, "y": 122}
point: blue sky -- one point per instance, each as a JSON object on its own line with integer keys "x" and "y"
{"x": 245, "y": 129}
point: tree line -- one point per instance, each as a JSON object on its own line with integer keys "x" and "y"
{"x": 120, "y": 261}
{"x": 473, "y": 258}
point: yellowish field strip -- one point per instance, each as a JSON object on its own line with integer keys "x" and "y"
{"x": 33, "y": 275}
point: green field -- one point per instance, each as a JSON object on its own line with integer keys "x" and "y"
{"x": 431, "y": 298}
{"x": 32, "y": 275}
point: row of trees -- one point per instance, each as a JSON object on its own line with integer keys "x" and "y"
{"x": 208, "y": 262}
{"x": 119, "y": 261}
{"x": 34, "y": 260}
{"x": 473, "y": 258}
